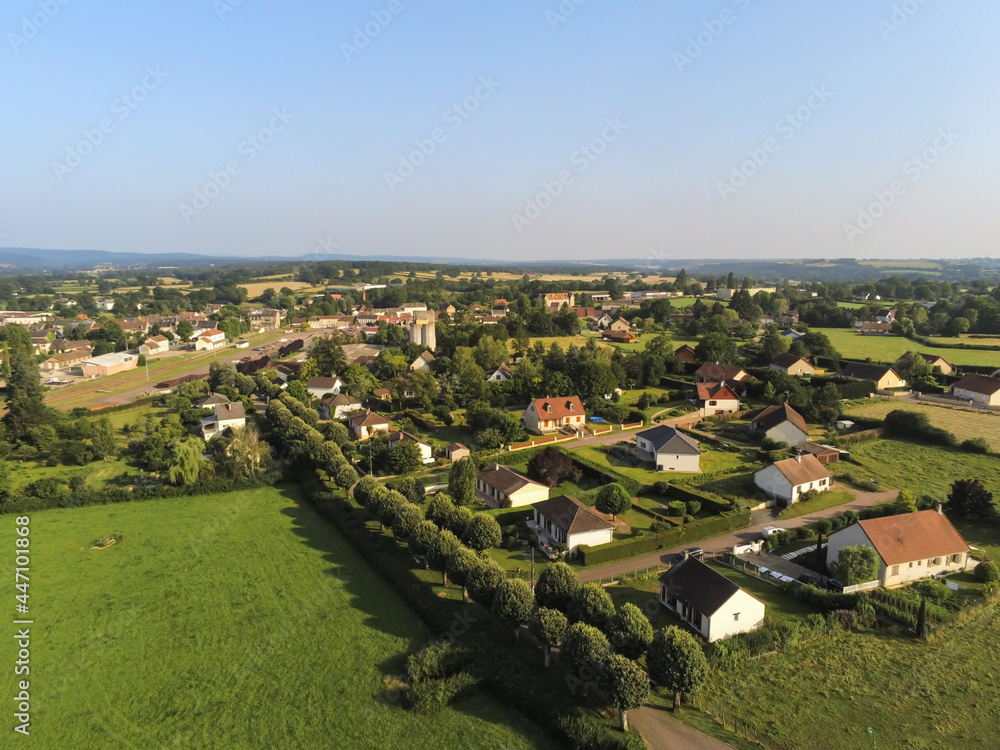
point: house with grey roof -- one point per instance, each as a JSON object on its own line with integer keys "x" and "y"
{"x": 670, "y": 449}
{"x": 708, "y": 601}
{"x": 564, "y": 520}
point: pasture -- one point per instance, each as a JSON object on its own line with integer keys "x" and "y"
{"x": 963, "y": 424}
{"x": 889, "y": 348}
{"x": 227, "y": 621}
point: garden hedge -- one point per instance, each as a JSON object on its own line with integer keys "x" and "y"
{"x": 709, "y": 503}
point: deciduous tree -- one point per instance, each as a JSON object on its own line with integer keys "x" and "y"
{"x": 677, "y": 662}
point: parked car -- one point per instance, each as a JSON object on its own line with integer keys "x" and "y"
{"x": 696, "y": 552}
{"x": 809, "y": 578}
{"x": 769, "y": 531}
{"x": 834, "y": 585}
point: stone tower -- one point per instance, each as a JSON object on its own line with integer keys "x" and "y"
{"x": 422, "y": 330}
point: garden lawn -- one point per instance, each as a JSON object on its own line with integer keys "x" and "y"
{"x": 925, "y": 696}
{"x": 923, "y": 469}
{"x": 778, "y": 605}
{"x": 829, "y": 499}
{"x": 964, "y": 425}
{"x": 96, "y": 474}
{"x": 888, "y": 349}
{"x": 226, "y": 621}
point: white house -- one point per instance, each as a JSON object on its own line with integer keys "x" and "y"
{"x": 222, "y": 418}
{"x": 670, "y": 448}
{"x": 500, "y": 374}
{"x": 422, "y": 360}
{"x": 366, "y": 424}
{"x": 977, "y": 388}
{"x": 426, "y": 451}
{"x": 552, "y": 414}
{"x": 712, "y": 604}
{"x": 155, "y": 345}
{"x": 211, "y": 339}
{"x": 716, "y": 398}
{"x": 787, "y": 480}
{"x": 782, "y": 423}
{"x": 910, "y": 546}
{"x": 320, "y": 388}
{"x": 336, "y": 407}
{"x": 503, "y": 487}
{"x": 565, "y": 520}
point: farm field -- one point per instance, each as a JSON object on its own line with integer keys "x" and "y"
{"x": 924, "y": 696}
{"x": 922, "y": 469}
{"x": 889, "y": 348}
{"x": 227, "y": 621}
{"x": 962, "y": 424}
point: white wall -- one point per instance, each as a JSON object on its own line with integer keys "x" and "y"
{"x": 678, "y": 462}
{"x": 723, "y": 624}
{"x": 852, "y": 536}
{"x": 529, "y": 495}
{"x": 592, "y": 538}
{"x": 786, "y": 432}
{"x": 774, "y": 482}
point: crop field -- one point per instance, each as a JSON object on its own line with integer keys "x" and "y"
{"x": 889, "y": 348}
{"x": 937, "y": 695}
{"x": 922, "y": 469}
{"x": 962, "y": 424}
{"x": 226, "y": 621}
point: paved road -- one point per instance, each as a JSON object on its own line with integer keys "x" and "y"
{"x": 661, "y": 731}
{"x": 721, "y": 543}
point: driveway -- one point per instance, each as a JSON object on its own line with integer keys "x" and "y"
{"x": 661, "y": 731}
{"x": 727, "y": 541}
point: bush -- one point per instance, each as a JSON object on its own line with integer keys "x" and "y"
{"x": 911, "y": 425}
{"x": 988, "y": 572}
{"x": 976, "y": 445}
{"x": 676, "y": 508}
{"x": 693, "y": 507}
{"x": 767, "y": 444}
{"x": 709, "y": 503}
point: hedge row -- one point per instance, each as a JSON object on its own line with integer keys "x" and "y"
{"x": 113, "y": 495}
{"x": 938, "y": 345}
{"x": 691, "y": 532}
{"x": 709, "y": 503}
{"x": 83, "y": 411}
{"x": 593, "y": 469}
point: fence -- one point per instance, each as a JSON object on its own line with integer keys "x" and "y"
{"x": 739, "y": 727}
{"x": 861, "y": 587}
{"x": 550, "y": 440}
{"x": 951, "y": 403}
{"x": 637, "y": 574}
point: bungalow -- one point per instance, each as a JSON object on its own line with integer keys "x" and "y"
{"x": 211, "y": 401}
{"x": 786, "y": 480}
{"x": 670, "y": 448}
{"x": 222, "y": 418}
{"x": 500, "y": 375}
{"x": 792, "y": 365}
{"x": 977, "y": 388}
{"x": 337, "y": 407}
{"x": 620, "y": 324}
{"x": 708, "y": 601}
{"x": 565, "y": 520}
{"x": 211, "y": 339}
{"x": 869, "y": 328}
{"x": 937, "y": 363}
{"x": 552, "y": 414}
{"x": 685, "y": 353}
{"x": 366, "y": 424}
{"x": 61, "y": 346}
{"x": 421, "y": 362}
{"x": 502, "y": 487}
{"x": 716, "y": 398}
{"x": 320, "y": 387}
{"x": 910, "y": 546}
{"x": 155, "y": 345}
{"x": 66, "y": 360}
{"x": 883, "y": 376}
{"x": 620, "y": 337}
{"x": 781, "y": 423}
{"x": 715, "y": 373}
{"x": 426, "y": 451}
{"x": 457, "y": 451}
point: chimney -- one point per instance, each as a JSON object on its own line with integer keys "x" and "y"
{"x": 940, "y": 509}
{"x": 798, "y": 457}
{"x": 496, "y": 467}
{"x": 686, "y": 554}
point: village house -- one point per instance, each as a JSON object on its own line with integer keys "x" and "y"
{"x": 685, "y": 353}
{"x": 500, "y": 375}
{"x": 713, "y": 399}
{"x": 211, "y": 401}
{"x": 426, "y": 451}
{"x": 781, "y": 423}
{"x": 937, "y": 363}
{"x": 564, "y": 520}
{"x": 209, "y": 340}
{"x": 708, "y": 601}
{"x": 365, "y": 425}
{"x": 886, "y": 315}
{"x": 339, "y": 406}
{"x": 620, "y": 337}
{"x": 978, "y": 389}
{"x": 155, "y": 345}
{"x": 670, "y": 449}
{"x": 503, "y": 487}
{"x": 870, "y": 328}
{"x": 792, "y": 365}
{"x": 604, "y": 321}
{"x": 711, "y": 372}
{"x": 884, "y": 377}
{"x": 61, "y": 346}
{"x": 558, "y": 299}
{"x": 553, "y": 414}
{"x": 825, "y": 454}
{"x": 910, "y": 546}
{"x": 66, "y": 360}
{"x": 621, "y": 324}
{"x": 786, "y": 480}
{"x": 457, "y": 451}
{"x": 222, "y": 418}
{"x": 321, "y": 387}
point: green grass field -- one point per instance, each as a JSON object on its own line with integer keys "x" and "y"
{"x": 890, "y": 348}
{"x": 228, "y": 621}
{"x": 828, "y": 499}
{"x": 711, "y": 461}
{"x": 964, "y": 425}
{"x": 924, "y": 696}
{"x": 923, "y": 469}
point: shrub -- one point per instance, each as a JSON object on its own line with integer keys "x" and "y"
{"x": 768, "y": 444}
{"x": 693, "y": 507}
{"x": 676, "y": 508}
{"x": 988, "y": 572}
{"x": 550, "y": 467}
{"x": 976, "y": 445}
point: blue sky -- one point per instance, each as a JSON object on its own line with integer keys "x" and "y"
{"x": 731, "y": 129}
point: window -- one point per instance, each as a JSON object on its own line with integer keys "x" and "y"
{"x": 935, "y": 561}
{"x": 920, "y": 563}
{"x": 736, "y": 616}
{"x": 911, "y": 565}
{"x": 956, "y": 558}
{"x": 895, "y": 570}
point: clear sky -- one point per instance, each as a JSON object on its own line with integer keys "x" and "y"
{"x": 505, "y": 129}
